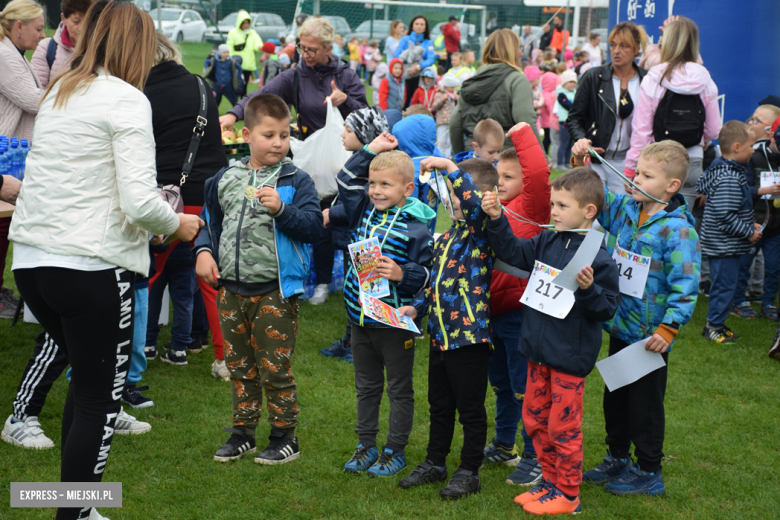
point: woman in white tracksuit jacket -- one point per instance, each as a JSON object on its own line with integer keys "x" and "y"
{"x": 82, "y": 223}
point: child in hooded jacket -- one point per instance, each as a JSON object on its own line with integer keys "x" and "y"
{"x": 547, "y": 121}
{"x": 388, "y": 212}
{"x": 416, "y": 135}
{"x": 225, "y": 75}
{"x": 380, "y": 73}
{"x": 372, "y": 57}
{"x": 444, "y": 102}
{"x": 456, "y": 300}
{"x": 392, "y": 89}
{"x": 427, "y": 89}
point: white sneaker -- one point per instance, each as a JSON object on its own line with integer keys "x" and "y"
{"x": 94, "y": 515}
{"x": 220, "y": 370}
{"x": 27, "y": 434}
{"x": 320, "y": 295}
{"x": 126, "y": 424}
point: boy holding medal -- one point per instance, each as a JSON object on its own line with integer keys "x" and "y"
{"x": 260, "y": 213}
{"x": 560, "y": 334}
{"x": 387, "y": 211}
{"x": 657, "y": 252}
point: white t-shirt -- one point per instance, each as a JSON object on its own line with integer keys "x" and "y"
{"x": 594, "y": 53}
{"x": 29, "y": 257}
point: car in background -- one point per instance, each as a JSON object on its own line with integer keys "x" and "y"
{"x": 468, "y": 34}
{"x": 340, "y": 25}
{"x": 269, "y": 26}
{"x": 224, "y": 25}
{"x": 181, "y": 25}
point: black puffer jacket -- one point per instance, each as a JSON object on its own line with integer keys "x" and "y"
{"x": 592, "y": 115}
{"x": 173, "y": 93}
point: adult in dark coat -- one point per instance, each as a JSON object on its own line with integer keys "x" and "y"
{"x": 546, "y": 38}
{"x": 175, "y": 98}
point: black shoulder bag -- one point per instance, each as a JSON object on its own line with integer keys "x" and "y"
{"x": 171, "y": 193}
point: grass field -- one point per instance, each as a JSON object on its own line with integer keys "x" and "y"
{"x": 722, "y": 453}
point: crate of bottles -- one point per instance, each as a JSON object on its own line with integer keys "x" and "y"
{"x": 13, "y": 155}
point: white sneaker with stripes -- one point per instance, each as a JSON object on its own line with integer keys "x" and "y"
{"x": 127, "y": 424}
{"x": 27, "y": 434}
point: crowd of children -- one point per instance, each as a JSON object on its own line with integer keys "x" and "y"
{"x": 262, "y": 213}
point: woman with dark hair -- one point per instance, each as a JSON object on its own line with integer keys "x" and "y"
{"x": 416, "y": 51}
{"x": 603, "y": 108}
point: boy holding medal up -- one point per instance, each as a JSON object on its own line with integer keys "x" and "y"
{"x": 260, "y": 213}
{"x": 657, "y": 252}
{"x": 560, "y": 334}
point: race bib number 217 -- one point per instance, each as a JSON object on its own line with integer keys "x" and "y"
{"x": 544, "y": 295}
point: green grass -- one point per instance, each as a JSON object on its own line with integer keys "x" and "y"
{"x": 722, "y": 456}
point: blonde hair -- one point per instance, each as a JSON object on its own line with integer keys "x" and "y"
{"x": 488, "y": 129}
{"x": 630, "y": 34}
{"x": 166, "y": 50}
{"x": 393, "y": 26}
{"x": 24, "y": 11}
{"x": 733, "y": 132}
{"x": 772, "y": 109}
{"x": 394, "y": 160}
{"x": 123, "y": 42}
{"x": 503, "y": 46}
{"x": 319, "y": 28}
{"x": 673, "y": 155}
{"x": 680, "y": 45}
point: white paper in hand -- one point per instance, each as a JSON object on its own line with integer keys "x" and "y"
{"x": 769, "y": 179}
{"x": 629, "y": 365}
{"x": 584, "y": 256}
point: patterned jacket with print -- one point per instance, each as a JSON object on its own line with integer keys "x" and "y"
{"x": 457, "y": 297}
{"x": 669, "y": 239}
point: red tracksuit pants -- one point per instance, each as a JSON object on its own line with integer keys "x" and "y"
{"x": 552, "y": 415}
{"x": 208, "y": 292}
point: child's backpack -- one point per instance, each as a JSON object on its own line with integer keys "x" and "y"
{"x": 679, "y": 117}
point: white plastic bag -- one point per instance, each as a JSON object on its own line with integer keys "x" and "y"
{"x": 322, "y": 154}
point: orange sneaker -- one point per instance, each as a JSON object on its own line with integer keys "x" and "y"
{"x": 554, "y": 503}
{"x": 541, "y": 489}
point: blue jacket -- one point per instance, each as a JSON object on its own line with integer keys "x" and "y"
{"x": 417, "y": 138}
{"x": 462, "y": 156}
{"x": 409, "y": 244}
{"x": 457, "y": 296}
{"x": 226, "y": 73}
{"x": 298, "y": 222}
{"x": 428, "y": 57}
{"x": 572, "y": 344}
{"x": 728, "y": 213}
{"x": 669, "y": 239}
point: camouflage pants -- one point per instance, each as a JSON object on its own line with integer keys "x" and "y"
{"x": 259, "y": 334}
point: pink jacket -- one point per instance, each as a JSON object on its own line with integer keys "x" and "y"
{"x": 691, "y": 78}
{"x": 20, "y": 92}
{"x": 372, "y": 56}
{"x": 549, "y": 81}
{"x": 39, "y": 63}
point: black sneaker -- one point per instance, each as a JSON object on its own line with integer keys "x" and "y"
{"x": 704, "y": 288}
{"x": 195, "y": 347}
{"x": 150, "y": 351}
{"x": 132, "y": 396}
{"x": 174, "y": 357}
{"x": 423, "y": 474}
{"x": 717, "y": 335}
{"x": 204, "y": 340}
{"x": 774, "y": 350}
{"x": 238, "y": 445}
{"x": 462, "y": 483}
{"x": 280, "y": 450}
{"x": 528, "y": 471}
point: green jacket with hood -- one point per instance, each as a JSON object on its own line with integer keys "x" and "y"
{"x": 250, "y": 39}
{"x": 496, "y": 91}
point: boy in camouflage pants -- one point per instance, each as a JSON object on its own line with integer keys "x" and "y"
{"x": 260, "y": 214}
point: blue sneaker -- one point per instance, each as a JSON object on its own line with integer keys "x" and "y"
{"x": 638, "y": 482}
{"x": 389, "y": 463}
{"x": 338, "y": 350}
{"x": 362, "y": 459}
{"x": 610, "y": 469}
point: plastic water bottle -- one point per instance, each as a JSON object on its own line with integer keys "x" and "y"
{"x": 25, "y": 149}
{"x": 14, "y": 149}
{"x": 3, "y": 168}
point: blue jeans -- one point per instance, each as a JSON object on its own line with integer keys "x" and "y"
{"x": 507, "y": 372}
{"x": 179, "y": 282}
{"x": 564, "y": 151}
{"x": 771, "y": 248}
{"x": 138, "y": 358}
{"x": 200, "y": 323}
{"x": 724, "y": 271}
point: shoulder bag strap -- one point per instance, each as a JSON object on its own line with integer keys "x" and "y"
{"x": 197, "y": 131}
{"x": 296, "y": 86}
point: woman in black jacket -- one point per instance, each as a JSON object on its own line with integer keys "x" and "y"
{"x": 175, "y": 98}
{"x": 603, "y": 107}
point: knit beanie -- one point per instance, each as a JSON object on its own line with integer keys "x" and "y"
{"x": 450, "y": 80}
{"x": 367, "y": 123}
{"x": 269, "y": 47}
{"x": 532, "y": 72}
{"x": 567, "y": 76}
{"x": 222, "y": 49}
